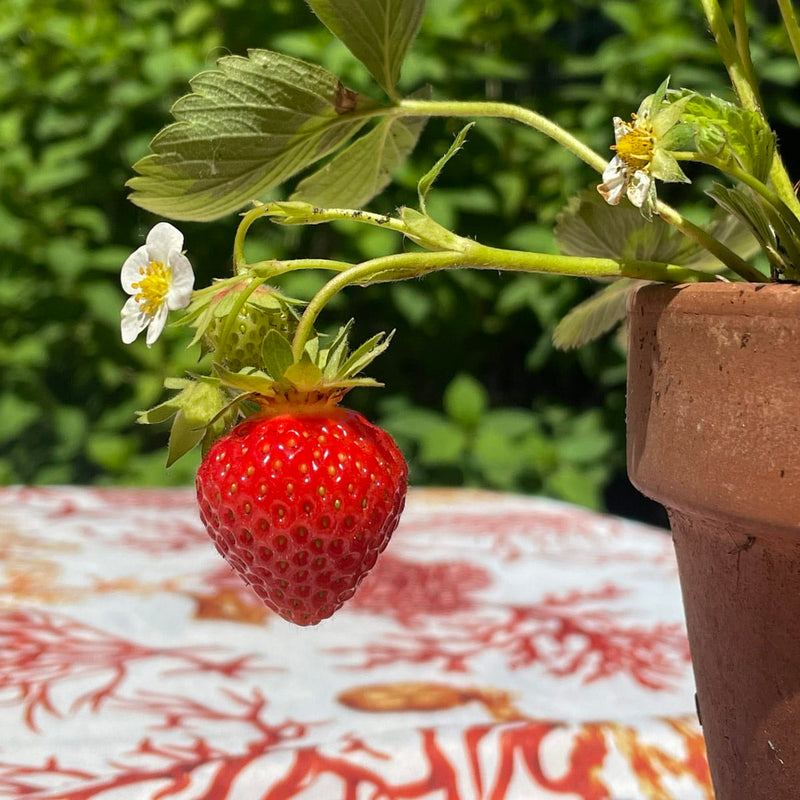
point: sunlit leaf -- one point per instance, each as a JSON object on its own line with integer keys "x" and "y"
{"x": 728, "y": 132}
{"x": 377, "y": 32}
{"x": 364, "y": 168}
{"x": 247, "y": 127}
{"x": 427, "y": 180}
{"x": 596, "y": 316}
{"x": 588, "y": 226}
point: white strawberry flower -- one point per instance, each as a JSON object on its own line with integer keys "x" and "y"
{"x": 159, "y": 278}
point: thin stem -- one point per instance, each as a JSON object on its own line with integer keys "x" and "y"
{"x": 272, "y": 268}
{"x": 792, "y": 28}
{"x": 452, "y": 108}
{"x": 742, "y": 33}
{"x": 747, "y": 94}
{"x": 730, "y": 55}
{"x": 241, "y": 232}
{"x": 478, "y": 256}
{"x": 760, "y": 188}
{"x": 721, "y": 252}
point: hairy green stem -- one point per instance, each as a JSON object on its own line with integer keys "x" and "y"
{"x": 729, "y": 53}
{"x": 742, "y": 33}
{"x": 759, "y": 187}
{"x": 747, "y": 94}
{"x": 453, "y": 108}
{"x": 478, "y": 256}
{"x": 791, "y": 25}
{"x": 241, "y": 232}
{"x": 720, "y": 251}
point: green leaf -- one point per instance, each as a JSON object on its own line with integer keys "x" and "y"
{"x": 304, "y": 374}
{"x": 727, "y": 132}
{"x": 183, "y": 436}
{"x": 377, "y": 32}
{"x": 465, "y": 400}
{"x": 276, "y": 354}
{"x": 247, "y": 127}
{"x": 364, "y": 168}
{"x": 15, "y": 415}
{"x": 588, "y": 226}
{"x": 596, "y": 316}
{"x": 442, "y": 445}
{"x": 337, "y": 352}
{"x": 365, "y": 354}
{"x": 768, "y": 230}
{"x": 427, "y": 180}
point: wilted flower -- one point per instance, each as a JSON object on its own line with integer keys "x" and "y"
{"x": 159, "y": 278}
{"x": 643, "y": 153}
{"x": 628, "y": 173}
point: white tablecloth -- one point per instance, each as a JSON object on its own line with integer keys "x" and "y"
{"x": 504, "y": 648}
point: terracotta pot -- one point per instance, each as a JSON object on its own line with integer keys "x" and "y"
{"x": 714, "y": 435}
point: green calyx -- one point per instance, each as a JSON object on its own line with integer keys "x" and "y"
{"x": 247, "y": 329}
{"x": 201, "y": 411}
{"x": 321, "y": 374}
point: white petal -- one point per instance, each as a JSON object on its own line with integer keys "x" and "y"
{"x": 615, "y": 170}
{"x": 182, "y": 283}
{"x": 132, "y": 321}
{"x": 130, "y": 269}
{"x": 164, "y": 236}
{"x": 157, "y": 324}
{"x": 621, "y": 128}
{"x": 639, "y": 187}
{"x": 163, "y": 240}
{"x": 615, "y": 181}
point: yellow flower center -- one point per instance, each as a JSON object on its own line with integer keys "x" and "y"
{"x": 635, "y": 148}
{"x": 153, "y": 287}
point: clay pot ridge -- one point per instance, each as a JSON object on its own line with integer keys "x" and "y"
{"x": 714, "y": 399}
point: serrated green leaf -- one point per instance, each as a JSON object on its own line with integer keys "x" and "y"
{"x": 246, "y": 127}
{"x": 336, "y": 353}
{"x": 377, "y": 32}
{"x": 365, "y": 355}
{"x": 588, "y": 226}
{"x": 276, "y": 354}
{"x": 427, "y": 180}
{"x": 364, "y": 168}
{"x": 768, "y": 230}
{"x": 596, "y": 316}
{"x": 726, "y": 131}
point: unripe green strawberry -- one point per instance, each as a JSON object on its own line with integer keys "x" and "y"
{"x": 301, "y": 501}
{"x": 264, "y": 311}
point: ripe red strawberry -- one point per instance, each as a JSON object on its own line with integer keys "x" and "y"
{"x": 301, "y": 503}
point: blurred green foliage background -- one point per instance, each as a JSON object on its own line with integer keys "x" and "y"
{"x": 475, "y": 393}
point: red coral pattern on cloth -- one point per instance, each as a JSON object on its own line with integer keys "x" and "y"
{"x": 504, "y": 648}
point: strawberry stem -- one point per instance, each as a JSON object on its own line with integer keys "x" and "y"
{"x": 239, "y": 261}
{"x": 477, "y": 256}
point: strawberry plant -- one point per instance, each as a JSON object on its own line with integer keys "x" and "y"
{"x": 291, "y": 481}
